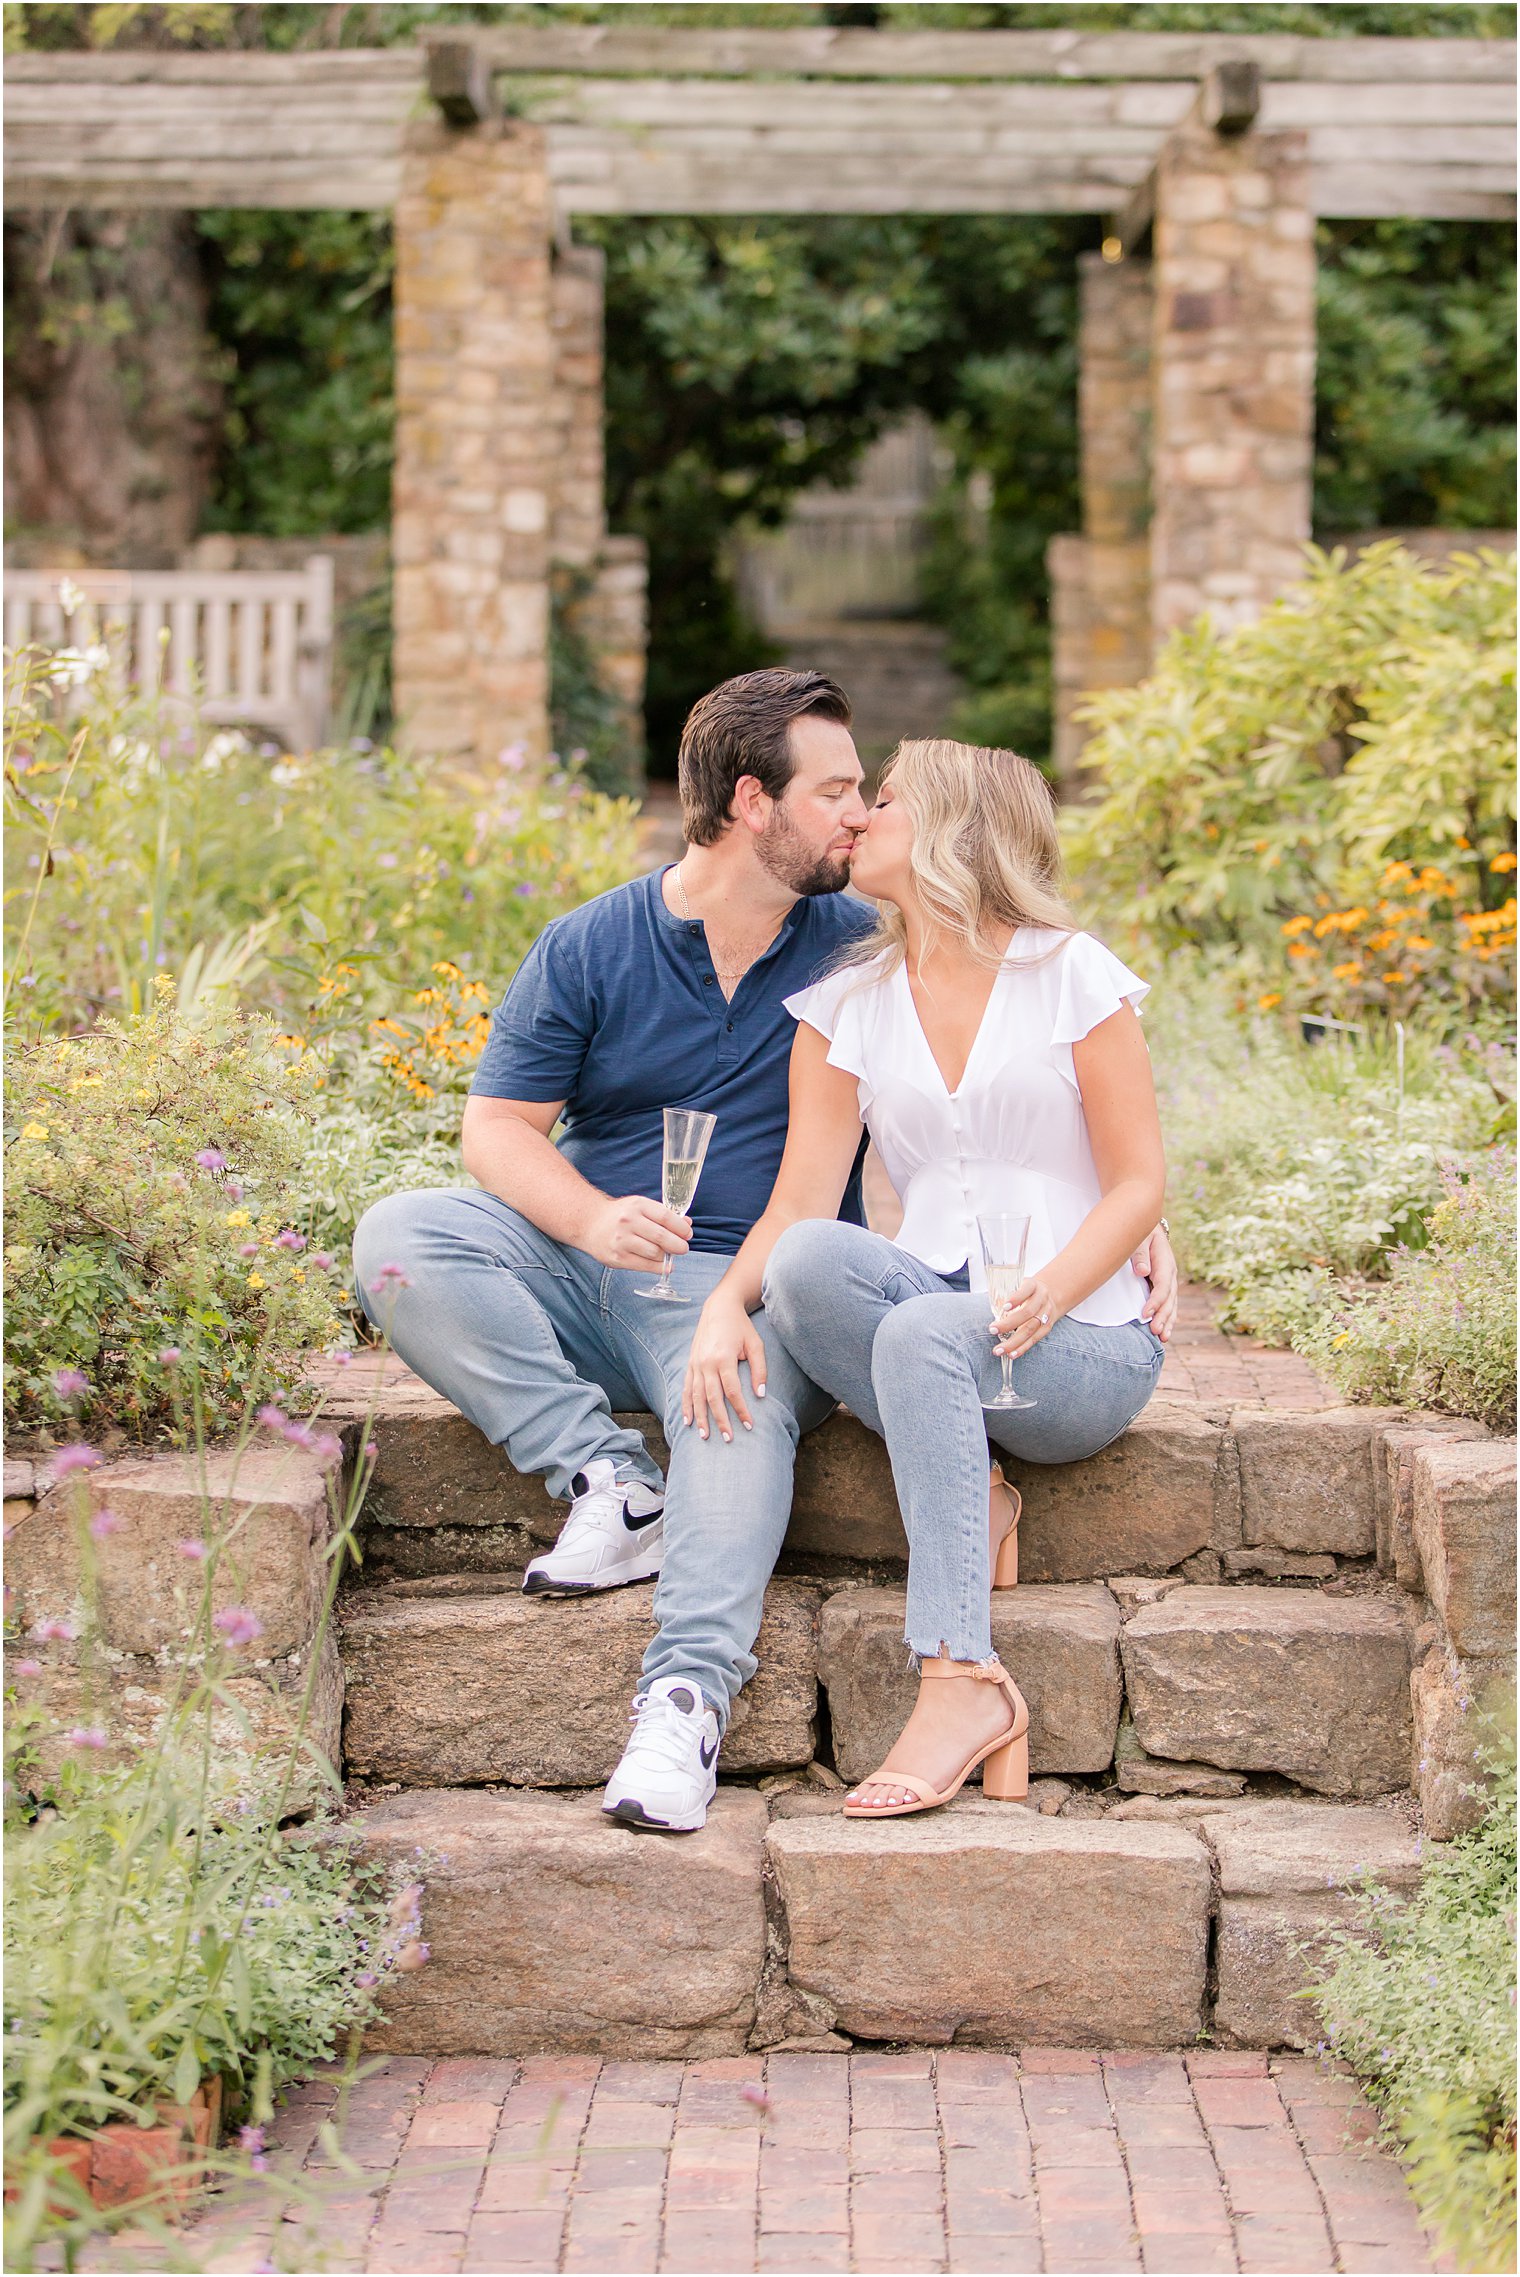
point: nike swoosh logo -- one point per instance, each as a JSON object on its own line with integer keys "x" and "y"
{"x": 708, "y": 1754}
{"x": 641, "y": 1525}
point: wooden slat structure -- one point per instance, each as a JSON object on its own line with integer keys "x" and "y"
{"x": 761, "y": 121}
{"x": 252, "y": 648}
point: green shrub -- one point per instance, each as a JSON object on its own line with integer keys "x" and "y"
{"x": 149, "y": 844}
{"x": 151, "y": 1209}
{"x": 1366, "y": 717}
{"x": 1296, "y": 1168}
{"x": 158, "y": 1933}
{"x": 166, "y": 1925}
{"x": 1440, "y": 1332}
{"x": 1420, "y": 2000}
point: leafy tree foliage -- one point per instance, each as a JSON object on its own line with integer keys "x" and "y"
{"x": 301, "y": 304}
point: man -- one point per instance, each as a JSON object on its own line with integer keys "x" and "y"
{"x": 521, "y": 1302}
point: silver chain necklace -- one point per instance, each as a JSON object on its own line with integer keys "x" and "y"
{"x": 730, "y": 973}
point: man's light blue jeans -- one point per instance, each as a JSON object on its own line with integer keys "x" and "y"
{"x": 912, "y": 1355}
{"x": 537, "y": 1344}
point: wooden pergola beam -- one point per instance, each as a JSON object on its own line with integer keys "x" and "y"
{"x": 324, "y": 127}
{"x": 611, "y": 51}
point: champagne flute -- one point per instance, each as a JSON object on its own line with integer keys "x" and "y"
{"x": 1005, "y": 1238}
{"x": 686, "y": 1135}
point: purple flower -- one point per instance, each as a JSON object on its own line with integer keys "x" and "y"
{"x": 232, "y": 1190}
{"x": 212, "y": 1158}
{"x": 194, "y": 1549}
{"x": 273, "y": 1418}
{"x": 75, "y": 1458}
{"x": 28, "y": 1668}
{"x": 526, "y": 892}
{"x": 103, "y": 1523}
{"x": 389, "y": 1277}
{"x": 70, "y": 1383}
{"x": 366, "y": 1977}
{"x": 248, "y": 1249}
{"x": 290, "y": 1240}
{"x": 343, "y": 1359}
{"x": 88, "y": 1735}
{"x": 238, "y": 1625}
{"x": 251, "y": 2141}
{"x": 321, "y": 1260}
{"x": 169, "y": 1356}
{"x": 55, "y": 1632}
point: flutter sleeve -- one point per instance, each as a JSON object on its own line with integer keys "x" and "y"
{"x": 836, "y": 1006}
{"x": 1092, "y": 985}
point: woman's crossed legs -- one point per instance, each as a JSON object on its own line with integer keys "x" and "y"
{"x": 913, "y": 1357}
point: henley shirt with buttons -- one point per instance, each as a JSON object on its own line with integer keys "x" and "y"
{"x": 617, "y": 1010}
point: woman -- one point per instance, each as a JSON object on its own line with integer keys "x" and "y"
{"x": 995, "y": 1056}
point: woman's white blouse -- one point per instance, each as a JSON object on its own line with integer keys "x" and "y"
{"x": 1012, "y": 1136}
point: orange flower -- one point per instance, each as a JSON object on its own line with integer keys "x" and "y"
{"x": 1502, "y": 863}
{"x": 1395, "y": 979}
{"x": 1270, "y": 1001}
{"x": 1295, "y": 926}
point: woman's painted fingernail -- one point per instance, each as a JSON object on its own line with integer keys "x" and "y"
{"x": 728, "y": 1438}
{"x": 759, "y": 1391}
{"x": 749, "y": 1427}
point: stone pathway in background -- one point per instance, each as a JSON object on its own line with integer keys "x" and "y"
{"x": 915, "y": 2161}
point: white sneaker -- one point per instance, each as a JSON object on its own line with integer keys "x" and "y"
{"x": 669, "y": 1771}
{"x": 615, "y": 1533}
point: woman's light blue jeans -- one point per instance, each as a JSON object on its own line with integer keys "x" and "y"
{"x": 912, "y": 1356}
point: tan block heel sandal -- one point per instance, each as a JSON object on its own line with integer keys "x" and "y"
{"x": 1004, "y": 1761}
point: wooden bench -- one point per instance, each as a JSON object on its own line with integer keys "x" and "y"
{"x": 250, "y": 648}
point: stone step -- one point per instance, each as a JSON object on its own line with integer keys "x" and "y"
{"x": 468, "y": 1682}
{"x": 783, "y": 1923}
{"x": 476, "y": 1684}
{"x": 1229, "y": 1492}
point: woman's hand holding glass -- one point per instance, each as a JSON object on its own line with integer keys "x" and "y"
{"x": 726, "y": 1336}
{"x": 1031, "y": 1315}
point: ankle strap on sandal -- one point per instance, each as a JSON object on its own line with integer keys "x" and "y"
{"x": 989, "y": 1671}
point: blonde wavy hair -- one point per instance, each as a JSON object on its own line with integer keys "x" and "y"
{"x": 986, "y": 855}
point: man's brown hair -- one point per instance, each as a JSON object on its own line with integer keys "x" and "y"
{"x": 741, "y": 728}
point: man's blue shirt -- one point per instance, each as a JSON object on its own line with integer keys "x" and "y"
{"x": 617, "y": 1010}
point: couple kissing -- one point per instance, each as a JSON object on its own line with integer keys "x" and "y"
{"x": 990, "y": 1049}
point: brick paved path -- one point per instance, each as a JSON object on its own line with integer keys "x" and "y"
{"x": 952, "y": 2161}
{"x": 1233, "y": 1371}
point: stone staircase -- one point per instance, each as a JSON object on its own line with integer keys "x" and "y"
{"x": 1217, "y": 1631}
{"x": 1251, "y": 1639}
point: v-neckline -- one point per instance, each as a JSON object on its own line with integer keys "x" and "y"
{"x": 953, "y": 1091}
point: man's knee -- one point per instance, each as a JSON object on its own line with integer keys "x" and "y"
{"x": 397, "y": 1236}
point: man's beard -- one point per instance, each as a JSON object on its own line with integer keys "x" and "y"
{"x": 781, "y": 850}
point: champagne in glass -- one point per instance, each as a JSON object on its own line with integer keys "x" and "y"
{"x": 686, "y": 1135}
{"x": 1005, "y": 1238}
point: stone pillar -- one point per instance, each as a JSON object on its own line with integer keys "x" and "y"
{"x": 1100, "y": 581}
{"x": 1232, "y": 450}
{"x": 577, "y": 509}
{"x": 1114, "y": 398}
{"x": 600, "y": 582}
{"x": 475, "y": 442}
